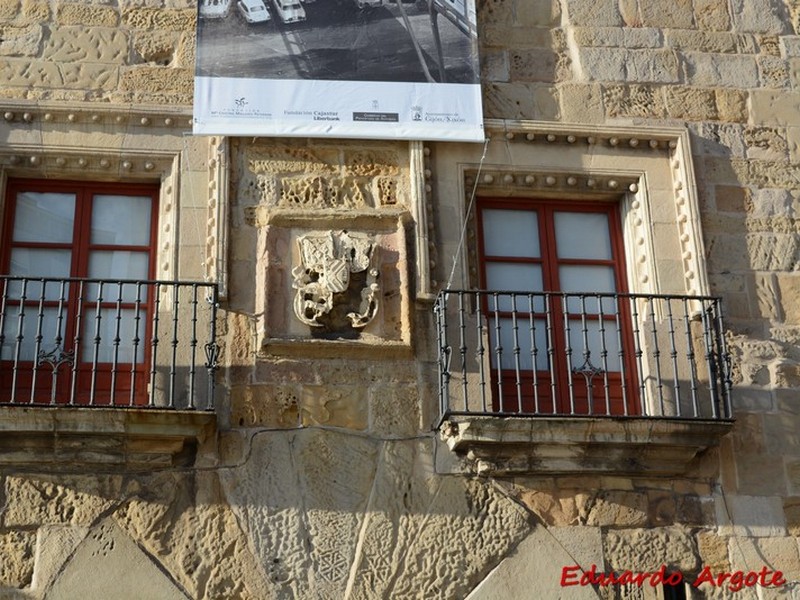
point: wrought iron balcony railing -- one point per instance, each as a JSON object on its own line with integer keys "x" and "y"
{"x": 113, "y": 343}
{"x": 547, "y": 353}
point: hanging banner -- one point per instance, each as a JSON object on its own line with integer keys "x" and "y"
{"x": 338, "y": 68}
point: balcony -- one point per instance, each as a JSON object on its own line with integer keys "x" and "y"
{"x": 556, "y": 382}
{"x": 74, "y": 344}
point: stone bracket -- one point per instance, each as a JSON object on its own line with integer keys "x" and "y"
{"x": 91, "y": 439}
{"x": 630, "y": 446}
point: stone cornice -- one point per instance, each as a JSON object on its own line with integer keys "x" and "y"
{"x": 95, "y": 113}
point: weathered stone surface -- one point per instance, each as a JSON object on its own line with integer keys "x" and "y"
{"x": 536, "y": 564}
{"x": 182, "y": 522}
{"x": 394, "y": 410}
{"x": 55, "y": 544}
{"x": 416, "y": 523}
{"x": 623, "y": 37}
{"x": 618, "y": 509}
{"x": 75, "y": 499}
{"x": 603, "y": 13}
{"x": 534, "y": 65}
{"x": 722, "y": 70}
{"x": 338, "y": 406}
{"x": 776, "y": 553}
{"x": 581, "y": 103}
{"x": 762, "y": 16}
{"x": 751, "y": 516}
{"x": 712, "y": 14}
{"x": 704, "y": 41}
{"x": 119, "y": 569}
{"x": 773, "y": 107}
{"x": 713, "y": 551}
{"x": 265, "y": 406}
{"x": 555, "y": 507}
{"x": 674, "y": 15}
{"x": 649, "y": 549}
{"x": 156, "y": 46}
{"x": 634, "y": 101}
{"x": 155, "y": 18}
{"x": 633, "y": 66}
{"x": 520, "y": 101}
{"x": 75, "y": 44}
{"x": 86, "y": 16}
{"x": 691, "y": 104}
{"x": 16, "y": 567}
{"x": 20, "y": 41}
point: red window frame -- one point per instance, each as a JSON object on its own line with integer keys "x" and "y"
{"x": 92, "y": 382}
{"x": 540, "y": 393}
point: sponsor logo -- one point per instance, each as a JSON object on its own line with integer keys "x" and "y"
{"x": 376, "y": 117}
{"x": 444, "y": 118}
{"x": 320, "y": 115}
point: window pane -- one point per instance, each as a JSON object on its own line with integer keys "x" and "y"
{"x": 105, "y": 328}
{"x": 30, "y": 325}
{"x": 583, "y": 278}
{"x": 582, "y": 235}
{"x": 510, "y": 233}
{"x": 44, "y": 217}
{"x": 117, "y": 264}
{"x": 35, "y": 262}
{"x": 531, "y": 338}
{"x": 590, "y": 279}
{"x": 514, "y": 277}
{"x": 121, "y": 220}
{"x": 589, "y": 346}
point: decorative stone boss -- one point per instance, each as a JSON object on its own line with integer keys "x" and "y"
{"x": 337, "y": 283}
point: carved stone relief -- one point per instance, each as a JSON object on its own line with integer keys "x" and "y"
{"x": 291, "y": 177}
{"x": 336, "y": 283}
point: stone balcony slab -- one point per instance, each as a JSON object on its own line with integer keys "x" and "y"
{"x": 631, "y": 446}
{"x": 81, "y": 438}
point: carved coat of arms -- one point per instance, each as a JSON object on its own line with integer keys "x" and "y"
{"x": 336, "y": 284}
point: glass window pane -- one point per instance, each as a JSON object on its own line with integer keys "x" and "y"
{"x": 530, "y": 337}
{"x": 100, "y": 333}
{"x": 514, "y": 277}
{"x": 510, "y": 233}
{"x": 584, "y": 278}
{"x": 594, "y": 344}
{"x": 582, "y": 235}
{"x": 44, "y": 217}
{"x": 121, "y": 220}
{"x": 590, "y": 279}
{"x": 36, "y": 262}
{"x": 30, "y": 325}
{"x": 117, "y": 264}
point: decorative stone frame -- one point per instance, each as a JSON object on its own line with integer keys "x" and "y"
{"x": 288, "y": 190}
{"x": 119, "y": 144}
{"x": 650, "y": 171}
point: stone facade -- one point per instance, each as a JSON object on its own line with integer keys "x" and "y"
{"x": 325, "y": 476}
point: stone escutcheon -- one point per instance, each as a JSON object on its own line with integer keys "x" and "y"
{"x": 337, "y": 282}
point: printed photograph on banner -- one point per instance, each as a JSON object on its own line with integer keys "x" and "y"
{"x": 347, "y": 68}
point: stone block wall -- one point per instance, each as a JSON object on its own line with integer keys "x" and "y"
{"x": 327, "y": 481}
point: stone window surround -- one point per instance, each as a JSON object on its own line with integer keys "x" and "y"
{"x": 39, "y": 142}
{"x": 650, "y": 171}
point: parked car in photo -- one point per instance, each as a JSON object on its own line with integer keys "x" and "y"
{"x": 253, "y": 11}
{"x": 289, "y": 11}
{"x": 214, "y": 9}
